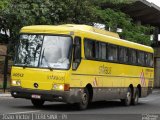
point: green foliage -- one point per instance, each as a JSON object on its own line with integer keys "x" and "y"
{"x": 113, "y": 19}
{"x": 114, "y": 3}
{"x": 3, "y": 4}
{"x": 15, "y": 14}
{"x": 117, "y": 1}
{"x": 29, "y": 12}
{"x": 131, "y": 31}
{"x": 3, "y": 38}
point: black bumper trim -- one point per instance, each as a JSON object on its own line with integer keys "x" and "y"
{"x": 71, "y": 96}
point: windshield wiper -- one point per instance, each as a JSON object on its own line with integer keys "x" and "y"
{"x": 43, "y": 57}
{"x": 24, "y": 66}
{"x": 21, "y": 65}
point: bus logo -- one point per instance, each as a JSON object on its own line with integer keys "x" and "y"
{"x": 105, "y": 70}
{"x": 95, "y": 83}
{"x": 142, "y": 79}
{"x": 35, "y": 85}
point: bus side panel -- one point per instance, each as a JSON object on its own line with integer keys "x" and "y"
{"x": 111, "y": 80}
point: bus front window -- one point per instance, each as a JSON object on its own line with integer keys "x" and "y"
{"x": 56, "y": 52}
{"x": 29, "y": 50}
{"x": 44, "y": 51}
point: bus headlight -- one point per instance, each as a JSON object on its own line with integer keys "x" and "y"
{"x": 64, "y": 87}
{"x": 16, "y": 82}
{"x": 58, "y": 86}
{"x": 13, "y": 82}
{"x": 61, "y": 87}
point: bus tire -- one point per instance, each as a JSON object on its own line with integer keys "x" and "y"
{"x": 127, "y": 100}
{"x": 37, "y": 103}
{"x": 83, "y": 104}
{"x": 135, "y": 100}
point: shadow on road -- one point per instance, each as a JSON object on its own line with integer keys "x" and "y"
{"x": 62, "y": 107}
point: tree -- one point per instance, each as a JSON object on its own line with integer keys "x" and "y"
{"x": 18, "y": 13}
{"x": 33, "y": 12}
{"x": 3, "y": 26}
{"x": 114, "y": 18}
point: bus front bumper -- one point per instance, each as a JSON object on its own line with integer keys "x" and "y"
{"x": 71, "y": 96}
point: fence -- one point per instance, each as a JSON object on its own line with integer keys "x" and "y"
{"x": 4, "y": 71}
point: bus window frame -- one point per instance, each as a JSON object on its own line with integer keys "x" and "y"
{"x": 75, "y": 64}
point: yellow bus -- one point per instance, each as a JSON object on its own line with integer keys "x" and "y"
{"x": 79, "y": 64}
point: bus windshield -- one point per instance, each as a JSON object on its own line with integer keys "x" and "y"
{"x": 45, "y": 51}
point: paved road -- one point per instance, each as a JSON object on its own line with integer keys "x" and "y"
{"x": 147, "y": 109}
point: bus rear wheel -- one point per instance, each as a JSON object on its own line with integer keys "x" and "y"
{"x": 136, "y": 97}
{"x": 83, "y": 104}
{"x": 37, "y": 103}
{"x": 127, "y": 100}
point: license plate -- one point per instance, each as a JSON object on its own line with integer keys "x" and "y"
{"x": 36, "y": 96}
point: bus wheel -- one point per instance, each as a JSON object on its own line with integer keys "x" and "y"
{"x": 127, "y": 100}
{"x": 136, "y": 97}
{"x": 37, "y": 103}
{"x": 83, "y": 104}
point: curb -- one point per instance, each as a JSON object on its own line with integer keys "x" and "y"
{"x": 5, "y": 95}
{"x": 156, "y": 91}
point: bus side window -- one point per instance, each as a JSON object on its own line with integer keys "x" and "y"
{"x": 123, "y": 55}
{"x": 149, "y": 59}
{"x": 103, "y": 51}
{"x": 141, "y": 59}
{"x": 112, "y": 53}
{"x": 133, "y": 57}
{"x": 76, "y": 53}
{"x": 90, "y": 46}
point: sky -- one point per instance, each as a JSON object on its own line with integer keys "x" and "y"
{"x": 157, "y": 2}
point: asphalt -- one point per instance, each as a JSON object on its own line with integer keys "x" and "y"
{"x": 147, "y": 109}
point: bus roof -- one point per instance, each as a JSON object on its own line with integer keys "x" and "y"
{"x": 64, "y": 28}
{"x": 70, "y": 28}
